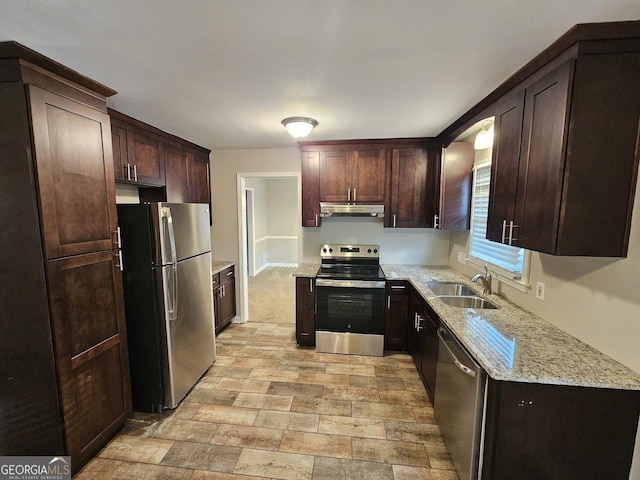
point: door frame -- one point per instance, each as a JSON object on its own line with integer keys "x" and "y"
{"x": 243, "y": 284}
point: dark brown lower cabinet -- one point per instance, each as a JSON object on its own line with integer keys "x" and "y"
{"x": 305, "y": 312}
{"x": 224, "y": 297}
{"x": 422, "y": 340}
{"x": 555, "y": 432}
{"x": 396, "y": 315}
{"x": 87, "y": 314}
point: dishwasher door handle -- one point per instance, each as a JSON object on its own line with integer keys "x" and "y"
{"x": 458, "y": 363}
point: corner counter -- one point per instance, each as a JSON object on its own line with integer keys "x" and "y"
{"x": 514, "y": 345}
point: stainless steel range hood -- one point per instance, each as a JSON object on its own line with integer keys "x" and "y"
{"x": 348, "y": 210}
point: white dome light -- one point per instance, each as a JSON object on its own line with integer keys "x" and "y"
{"x": 299, "y": 127}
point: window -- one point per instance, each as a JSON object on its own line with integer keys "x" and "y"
{"x": 510, "y": 263}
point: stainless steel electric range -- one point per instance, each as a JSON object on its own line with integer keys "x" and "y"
{"x": 350, "y": 298}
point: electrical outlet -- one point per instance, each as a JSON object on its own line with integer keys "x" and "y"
{"x": 462, "y": 257}
{"x": 540, "y": 291}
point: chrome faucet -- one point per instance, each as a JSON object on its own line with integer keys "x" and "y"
{"x": 485, "y": 280}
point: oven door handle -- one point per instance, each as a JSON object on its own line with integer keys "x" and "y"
{"x": 327, "y": 282}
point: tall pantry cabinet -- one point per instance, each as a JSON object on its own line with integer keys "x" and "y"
{"x": 65, "y": 386}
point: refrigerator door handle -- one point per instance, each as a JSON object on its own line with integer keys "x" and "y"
{"x": 173, "y": 307}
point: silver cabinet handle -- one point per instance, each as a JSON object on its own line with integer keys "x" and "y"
{"x": 397, "y": 287}
{"x": 135, "y": 172}
{"x": 435, "y": 221}
{"x": 316, "y": 219}
{"x": 511, "y": 227}
{"x": 388, "y": 302}
{"x": 394, "y": 220}
{"x": 419, "y": 322}
{"x": 311, "y": 285}
{"x": 504, "y": 229}
{"x": 129, "y": 171}
{"x": 354, "y": 195}
{"x": 458, "y": 363}
{"x": 415, "y": 321}
{"x": 229, "y": 274}
{"x": 348, "y": 194}
{"x": 120, "y": 260}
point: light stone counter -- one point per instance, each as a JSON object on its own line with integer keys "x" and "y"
{"x": 306, "y": 270}
{"x": 218, "y": 266}
{"x": 514, "y": 345}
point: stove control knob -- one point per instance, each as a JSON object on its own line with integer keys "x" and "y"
{"x": 331, "y": 250}
{"x": 324, "y": 250}
{"x": 369, "y": 251}
{"x": 375, "y": 250}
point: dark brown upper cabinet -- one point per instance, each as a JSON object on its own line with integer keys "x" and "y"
{"x": 565, "y": 158}
{"x": 149, "y": 157}
{"x": 454, "y": 177}
{"x": 310, "y": 170}
{"x": 409, "y": 205}
{"x": 575, "y": 172}
{"x": 353, "y": 176}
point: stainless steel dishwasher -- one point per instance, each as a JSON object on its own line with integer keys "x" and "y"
{"x": 459, "y": 403}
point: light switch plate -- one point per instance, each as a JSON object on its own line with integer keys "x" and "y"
{"x": 462, "y": 257}
{"x": 540, "y": 290}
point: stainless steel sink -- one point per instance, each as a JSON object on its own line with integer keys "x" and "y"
{"x": 451, "y": 289}
{"x": 469, "y": 301}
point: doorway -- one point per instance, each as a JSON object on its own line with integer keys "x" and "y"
{"x": 269, "y": 223}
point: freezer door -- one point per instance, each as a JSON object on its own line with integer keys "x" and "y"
{"x": 190, "y": 329}
{"x": 183, "y": 231}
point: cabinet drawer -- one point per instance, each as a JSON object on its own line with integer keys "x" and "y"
{"x": 226, "y": 274}
{"x": 397, "y": 287}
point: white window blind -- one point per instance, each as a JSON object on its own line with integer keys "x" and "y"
{"x": 510, "y": 259}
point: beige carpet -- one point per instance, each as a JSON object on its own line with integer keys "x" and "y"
{"x": 272, "y": 296}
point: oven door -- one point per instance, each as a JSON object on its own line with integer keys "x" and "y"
{"x": 353, "y": 306}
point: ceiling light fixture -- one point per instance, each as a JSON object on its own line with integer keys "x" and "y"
{"x": 299, "y": 127}
{"x": 484, "y": 138}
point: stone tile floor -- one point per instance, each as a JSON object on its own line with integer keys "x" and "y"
{"x": 270, "y": 409}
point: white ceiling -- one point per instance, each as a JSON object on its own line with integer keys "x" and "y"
{"x": 224, "y": 73}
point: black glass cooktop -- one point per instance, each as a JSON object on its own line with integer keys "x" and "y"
{"x": 344, "y": 271}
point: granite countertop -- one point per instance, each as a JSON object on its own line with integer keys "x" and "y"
{"x": 306, "y": 270}
{"x": 512, "y": 344}
{"x": 218, "y": 265}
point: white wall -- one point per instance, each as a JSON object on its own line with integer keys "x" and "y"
{"x": 594, "y": 299}
{"x": 412, "y": 246}
{"x": 225, "y": 165}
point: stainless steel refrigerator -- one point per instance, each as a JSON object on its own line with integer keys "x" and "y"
{"x": 166, "y": 254}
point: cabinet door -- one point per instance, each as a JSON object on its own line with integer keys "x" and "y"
{"x": 454, "y": 202}
{"x": 310, "y": 170}
{"x": 87, "y": 315}
{"x": 396, "y": 316}
{"x": 199, "y": 180}
{"x": 541, "y": 169}
{"x": 177, "y": 163}
{"x": 145, "y": 154}
{"x": 505, "y": 159}
{"x": 305, "y": 312}
{"x": 215, "y": 291}
{"x": 429, "y": 359}
{"x": 413, "y": 335}
{"x": 335, "y": 176}
{"x": 227, "y": 299}
{"x": 368, "y": 176}
{"x": 408, "y": 190}
{"x": 74, "y": 162}
{"x": 119, "y": 145}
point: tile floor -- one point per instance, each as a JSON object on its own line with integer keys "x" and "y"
{"x": 270, "y": 409}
